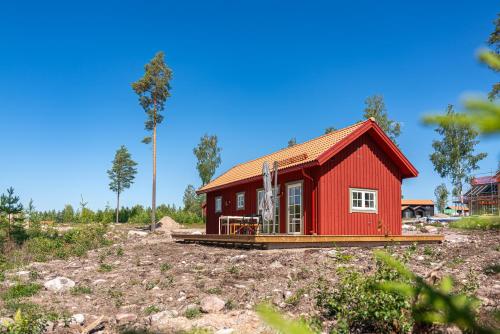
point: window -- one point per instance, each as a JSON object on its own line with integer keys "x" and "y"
{"x": 363, "y": 200}
{"x": 267, "y": 226}
{"x": 218, "y": 204}
{"x": 240, "y": 201}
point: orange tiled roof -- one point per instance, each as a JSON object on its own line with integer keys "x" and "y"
{"x": 287, "y": 157}
{"x": 417, "y": 202}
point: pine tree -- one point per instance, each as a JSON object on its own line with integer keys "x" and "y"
{"x": 153, "y": 90}
{"x": 292, "y": 142}
{"x": 121, "y": 174}
{"x": 11, "y": 208}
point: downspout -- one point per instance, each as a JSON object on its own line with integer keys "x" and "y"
{"x": 313, "y": 200}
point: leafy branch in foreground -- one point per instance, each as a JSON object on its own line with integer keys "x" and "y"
{"x": 274, "y": 319}
{"x": 433, "y": 304}
{"x": 482, "y": 115}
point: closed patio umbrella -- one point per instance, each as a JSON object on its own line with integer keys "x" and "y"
{"x": 266, "y": 203}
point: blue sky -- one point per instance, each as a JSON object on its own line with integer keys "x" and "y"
{"x": 255, "y": 73}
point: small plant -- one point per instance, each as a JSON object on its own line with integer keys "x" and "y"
{"x": 295, "y": 298}
{"x": 151, "y": 309}
{"x": 166, "y": 282}
{"x": 214, "y": 291}
{"x": 26, "y": 323}
{"x": 34, "y": 275}
{"x": 234, "y": 270}
{"x": 492, "y": 269}
{"x": 119, "y": 251}
{"x": 343, "y": 258}
{"x": 456, "y": 261}
{"x": 21, "y": 290}
{"x": 192, "y": 312}
{"x": 230, "y": 305}
{"x": 80, "y": 290}
{"x": 105, "y": 268}
{"x": 164, "y": 267}
{"x": 428, "y": 251}
{"x": 471, "y": 284}
{"x": 150, "y": 285}
{"x": 117, "y": 296}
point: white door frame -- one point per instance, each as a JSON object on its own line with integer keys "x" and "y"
{"x": 290, "y": 185}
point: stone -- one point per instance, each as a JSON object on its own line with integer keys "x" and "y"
{"x": 162, "y": 318}
{"x": 23, "y": 275}
{"x": 59, "y": 284}
{"x": 99, "y": 281}
{"x": 133, "y": 233}
{"x": 77, "y": 319}
{"x": 275, "y": 265}
{"x": 430, "y": 229}
{"x": 331, "y": 253}
{"x": 238, "y": 258}
{"x": 287, "y": 294}
{"x": 420, "y": 258}
{"x": 123, "y": 318}
{"x": 407, "y": 227}
{"x": 225, "y": 331}
{"x": 212, "y": 304}
{"x": 196, "y": 233}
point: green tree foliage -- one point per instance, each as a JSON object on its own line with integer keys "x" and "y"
{"x": 192, "y": 201}
{"x": 153, "y": 90}
{"x": 208, "y": 154}
{"x": 375, "y": 107}
{"x": 329, "y": 129}
{"x": 441, "y": 193}
{"x": 68, "y": 214}
{"x": 121, "y": 175}
{"x": 494, "y": 43}
{"x": 453, "y": 155}
{"x": 10, "y": 209}
{"x": 292, "y": 142}
{"x": 30, "y": 212}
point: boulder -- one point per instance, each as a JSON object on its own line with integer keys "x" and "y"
{"x": 123, "y": 318}
{"x": 275, "y": 265}
{"x": 59, "y": 284}
{"x": 212, "y": 304}
{"x": 161, "y": 318}
{"x": 140, "y": 234}
{"x": 238, "y": 258}
{"x": 430, "y": 229}
{"x": 77, "y": 319}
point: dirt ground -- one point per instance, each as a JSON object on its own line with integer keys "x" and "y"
{"x": 149, "y": 281}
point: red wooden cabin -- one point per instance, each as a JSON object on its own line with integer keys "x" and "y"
{"x": 347, "y": 182}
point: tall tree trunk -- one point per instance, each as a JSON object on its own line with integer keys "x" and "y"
{"x": 153, "y": 206}
{"x": 117, "y": 207}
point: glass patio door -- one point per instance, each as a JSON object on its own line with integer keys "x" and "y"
{"x": 294, "y": 208}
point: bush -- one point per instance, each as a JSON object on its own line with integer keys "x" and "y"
{"x": 477, "y": 223}
{"x": 358, "y": 306}
{"x": 26, "y": 323}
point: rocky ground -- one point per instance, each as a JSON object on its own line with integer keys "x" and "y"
{"x": 147, "y": 281}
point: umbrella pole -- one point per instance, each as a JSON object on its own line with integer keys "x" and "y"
{"x": 275, "y": 195}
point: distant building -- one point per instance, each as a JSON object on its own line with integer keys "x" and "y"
{"x": 456, "y": 210}
{"x": 417, "y": 208}
{"x": 483, "y": 198}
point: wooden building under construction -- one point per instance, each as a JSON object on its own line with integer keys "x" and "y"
{"x": 483, "y": 197}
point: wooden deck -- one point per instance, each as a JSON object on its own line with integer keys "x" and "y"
{"x": 304, "y": 241}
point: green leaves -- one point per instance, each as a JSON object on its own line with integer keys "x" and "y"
{"x": 208, "y": 154}
{"x": 280, "y": 323}
{"x": 375, "y": 107}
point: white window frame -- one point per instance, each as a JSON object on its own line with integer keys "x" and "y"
{"x": 363, "y": 208}
{"x": 218, "y": 199}
{"x": 287, "y": 187}
{"x": 240, "y": 206}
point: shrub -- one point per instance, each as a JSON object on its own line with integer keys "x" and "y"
{"x": 26, "y": 323}
{"x": 477, "y": 223}
{"x": 80, "y": 290}
{"x": 358, "y": 306}
{"x": 105, "y": 268}
{"x": 165, "y": 267}
{"x": 151, "y": 309}
{"x": 492, "y": 269}
{"x": 192, "y": 312}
